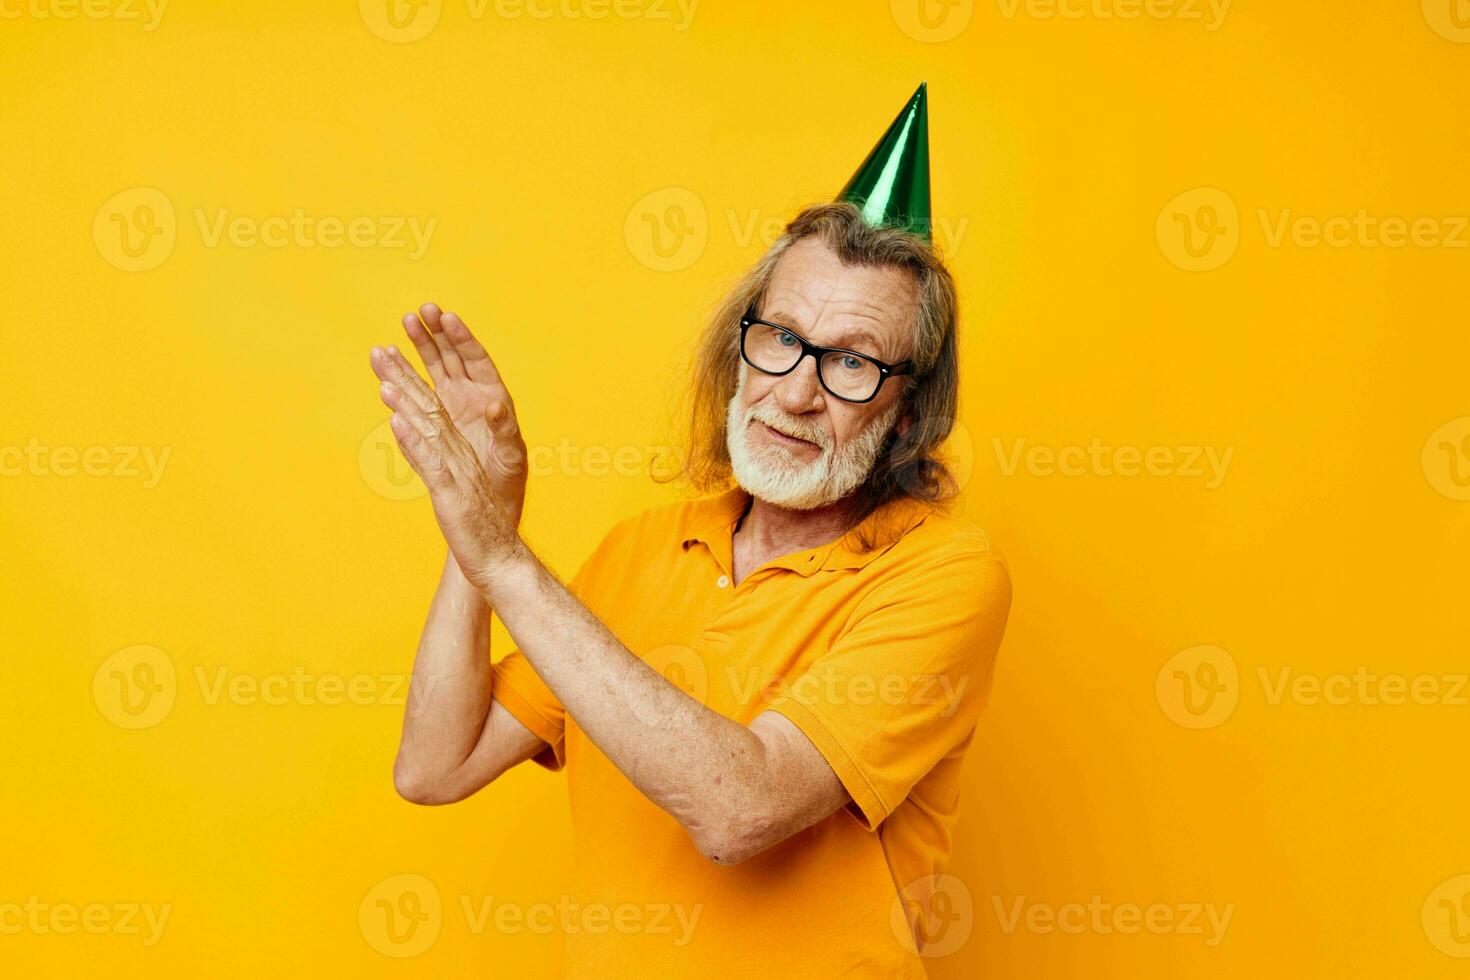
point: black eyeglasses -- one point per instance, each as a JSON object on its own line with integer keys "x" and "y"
{"x": 853, "y": 377}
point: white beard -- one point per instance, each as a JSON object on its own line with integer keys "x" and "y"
{"x": 772, "y": 474}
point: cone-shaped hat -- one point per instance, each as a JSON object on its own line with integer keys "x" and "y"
{"x": 892, "y": 185}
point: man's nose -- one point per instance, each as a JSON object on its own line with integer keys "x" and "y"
{"x": 800, "y": 391}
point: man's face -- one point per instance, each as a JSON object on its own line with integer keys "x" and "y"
{"x": 792, "y": 443}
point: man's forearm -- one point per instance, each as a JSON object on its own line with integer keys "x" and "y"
{"x": 693, "y": 762}
{"x": 449, "y": 693}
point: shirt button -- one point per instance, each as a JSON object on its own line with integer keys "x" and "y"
{"x": 723, "y": 581}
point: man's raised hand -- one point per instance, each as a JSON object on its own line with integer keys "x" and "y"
{"x": 472, "y": 391}
{"x": 481, "y": 535}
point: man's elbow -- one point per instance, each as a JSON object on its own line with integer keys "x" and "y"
{"x": 734, "y": 838}
{"x": 425, "y": 788}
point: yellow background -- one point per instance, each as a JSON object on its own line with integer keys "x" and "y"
{"x": 547, "y": 149}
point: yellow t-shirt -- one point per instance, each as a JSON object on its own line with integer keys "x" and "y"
{"x": 882, "y": 656}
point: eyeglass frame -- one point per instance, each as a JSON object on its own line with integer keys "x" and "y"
{"x": 885, "y": 371}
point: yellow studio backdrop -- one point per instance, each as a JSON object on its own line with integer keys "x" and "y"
{"x": 1213, "y": 259}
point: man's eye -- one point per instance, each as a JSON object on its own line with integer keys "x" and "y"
{"x": 785, "y": 339}
{"x": 851, "y": 363}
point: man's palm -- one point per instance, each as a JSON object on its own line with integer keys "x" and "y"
{"x": 468, "y": 383}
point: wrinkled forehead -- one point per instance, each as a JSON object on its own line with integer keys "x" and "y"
{"x": 865, "y": 307}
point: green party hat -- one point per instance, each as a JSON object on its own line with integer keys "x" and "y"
{"x": 892, "y": 185}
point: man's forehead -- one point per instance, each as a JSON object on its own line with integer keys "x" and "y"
{"x": 815, "y": 290}
{"x": 811, "y": 272}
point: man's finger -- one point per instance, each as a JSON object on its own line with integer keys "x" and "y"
{"x": 418, "y": 335}
{"x": 390, "y": 365}
{"x": 453, "y": 366}
{"x": 420, "y": 455}
{"x": 477, "y": 361}
{"x": 423, "y": 410}
{"x": 428, "y": 426}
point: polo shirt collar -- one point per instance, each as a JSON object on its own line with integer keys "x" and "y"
{"x": 712, "y": 521}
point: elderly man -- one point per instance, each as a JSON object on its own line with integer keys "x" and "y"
{"x": 787, "y": 806}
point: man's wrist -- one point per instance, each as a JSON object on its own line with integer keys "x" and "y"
{"x": 513, "y": 571}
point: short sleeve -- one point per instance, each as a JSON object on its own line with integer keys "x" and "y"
{"x": 517, "y": 686}
{"x": 906, "y": 682}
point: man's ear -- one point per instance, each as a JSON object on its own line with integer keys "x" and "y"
{"x": 905, "y": 422}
